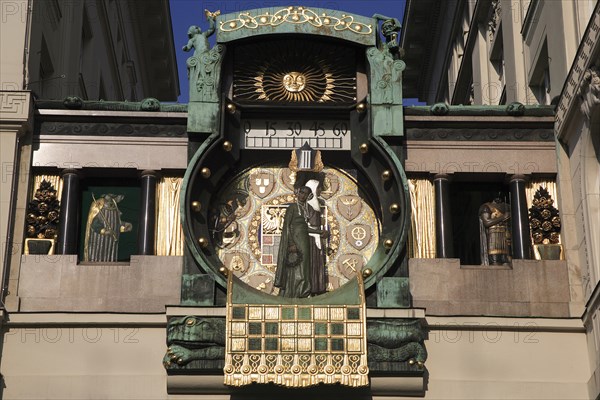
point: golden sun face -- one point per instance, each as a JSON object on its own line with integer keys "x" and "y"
{"x": 297, "y": 71}
{"x": 294, "y": 82}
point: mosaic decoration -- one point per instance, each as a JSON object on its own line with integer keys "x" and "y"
{"x": 249, "y": 217}
{"x": 296, "y": 345}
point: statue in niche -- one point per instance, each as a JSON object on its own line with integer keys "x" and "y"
{"x": 301, "y": 259}
{"x": 103, "y": 229}
{"x": 494, "y": 232}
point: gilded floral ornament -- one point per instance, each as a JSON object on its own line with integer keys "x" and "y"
{"x": 295, "y": 15}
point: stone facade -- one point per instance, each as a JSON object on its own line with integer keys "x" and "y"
{"x": 529, "y": 329}
{"x": 534, "y": 52}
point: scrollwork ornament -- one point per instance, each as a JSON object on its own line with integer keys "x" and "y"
{"x": 295, "y": 16}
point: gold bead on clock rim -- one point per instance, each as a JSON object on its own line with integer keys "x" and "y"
{"x": 205, "y": 172}
{"x": 394, "y": 208}
{"x": 363, "y": 148}
{"x": 386, "y": 175}
{"x": 231, "y": 108}
{"x": 367, "y": 272}
{"x": 203, "y": 242}
{"x": 361, "y": 107}
{"x": 224, "y": 271}
{"x": 227, "y": 145}
{"x": 196, "y": 206}
{"x": 388, "y": 243}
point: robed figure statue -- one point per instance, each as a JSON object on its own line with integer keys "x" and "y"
{"x": 494, "y": 231}
{"x": 301, "y": 258}
{"x": 103, "y": 228}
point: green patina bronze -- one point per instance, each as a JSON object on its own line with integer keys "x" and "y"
{"x": 195, "y": 343}
{"x": 512, "y": 109}
{"x": 76, "y": 103}
{"x": 385, "y": 70}
{"x": 204, "y": 73}
{"x": 198, "y": 343}
{"x": 393, "y": 292}
{"x": 296, "y": 20}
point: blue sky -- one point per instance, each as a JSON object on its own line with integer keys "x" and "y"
{"x": 191, "y": 12}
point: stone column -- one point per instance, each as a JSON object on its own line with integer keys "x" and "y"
{"x": 16, "y": 120}
{"x": 68, "y": 228}
{"x": 147, "y": 214}
{"x": 444, "y": 243}
{"x": 521, "y": 243}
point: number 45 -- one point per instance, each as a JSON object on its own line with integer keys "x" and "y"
{"x": 317, "y": 129}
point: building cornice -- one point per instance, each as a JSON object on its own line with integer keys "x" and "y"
{"x": 571, "y": 96}
{"x": 591, "y": 306}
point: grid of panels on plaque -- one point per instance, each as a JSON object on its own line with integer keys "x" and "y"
{"x": 292, "y": 143}
{"x": 296, "y": 329}
{"x": 269, "y": 248}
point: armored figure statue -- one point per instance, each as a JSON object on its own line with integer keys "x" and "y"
{"x": 494, "y": 231}
{"x": 104, "y": 226}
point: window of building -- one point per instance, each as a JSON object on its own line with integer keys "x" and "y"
{"x": 498, "y": 71}
{"x": 85, "y": 53}
{"x": 539, "y": 81}
{"x": 46, "y": 71}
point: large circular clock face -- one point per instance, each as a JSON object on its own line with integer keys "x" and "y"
{"x": 246, "y": 221}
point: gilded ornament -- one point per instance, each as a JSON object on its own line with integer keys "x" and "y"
{"x": 294, "y": 82}
{"x": 301, "y": 72}
{"x": 386, "y": 175}
{"x": 224, "y": 271}
{"x": 196, "y": 206}
{"x": 227, "y": 145}
{"x": 394, "y": 208}
{"x": 388, "y": 243}
{"x": 205, "y": 172}
{"x": 361, "y": 107}
{"x": 296, "y": 16}
{"x": 367, "y": 272}
{"x": 364, "y": 148}
{"x": 231, "y": 108}
{"x": 203, "y": 242}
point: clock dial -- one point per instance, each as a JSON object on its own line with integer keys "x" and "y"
{"x": 268, "y": 190}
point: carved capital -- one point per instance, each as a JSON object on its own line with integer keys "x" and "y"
{"x": 589, "y": 91}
